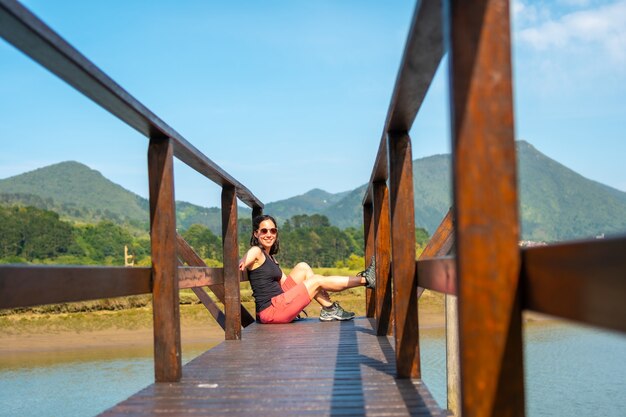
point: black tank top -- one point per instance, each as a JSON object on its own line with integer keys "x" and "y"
{"x": 265, "y": 283}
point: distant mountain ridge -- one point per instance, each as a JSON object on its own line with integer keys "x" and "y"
{"x": 75, "y": 191}
{"x": 82, "y": 194}
{"x": 312, "y": 202}
{"x": 556, "y": 203}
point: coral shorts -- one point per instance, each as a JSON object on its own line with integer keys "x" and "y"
{"x": 286, "y": 306}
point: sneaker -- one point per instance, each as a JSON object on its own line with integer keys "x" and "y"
{"x": 369, "y": 274}
{"x": 336, "y": 312}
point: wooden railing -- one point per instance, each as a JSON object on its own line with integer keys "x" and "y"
{"x": 493, "y": 279}
{"x": 22, "y": 286}
{"x": 492, "y": 276}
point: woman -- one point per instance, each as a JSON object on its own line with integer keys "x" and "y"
{"x": 279, "y": 298}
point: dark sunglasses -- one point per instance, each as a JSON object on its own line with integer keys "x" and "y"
{"x": 271, "y": 231}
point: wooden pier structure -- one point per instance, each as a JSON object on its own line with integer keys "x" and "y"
{"x": 370, "y": 366}
{"x": 306, "y": 368}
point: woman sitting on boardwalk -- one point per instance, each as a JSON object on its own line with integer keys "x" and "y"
{"x": 279, "y": 298}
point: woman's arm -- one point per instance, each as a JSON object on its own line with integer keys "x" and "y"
{"x": 253, "y": 255}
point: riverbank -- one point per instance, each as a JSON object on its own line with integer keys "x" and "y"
{"x": 27, "y": 333}
{"x": 132, "y": 328}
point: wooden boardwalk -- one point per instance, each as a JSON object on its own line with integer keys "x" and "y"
{"x": 298, "y": 369}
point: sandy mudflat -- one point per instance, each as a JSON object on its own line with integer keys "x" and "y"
{"x": 123, "y": 338}
{"x": 25, "y": 342}
{"x": 191, "y": 334}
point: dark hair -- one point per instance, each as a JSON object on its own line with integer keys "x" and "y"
{"x": 256, "y": 222}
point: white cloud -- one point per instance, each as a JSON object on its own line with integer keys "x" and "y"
{"x": 603, "y": 27}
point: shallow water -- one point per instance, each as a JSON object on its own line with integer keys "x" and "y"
{"x": 570, "y": 370}
{"x": 76, "y": 383}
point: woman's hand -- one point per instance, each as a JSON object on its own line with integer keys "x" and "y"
{"x": 242, "y": 264}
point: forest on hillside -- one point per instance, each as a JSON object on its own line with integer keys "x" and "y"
{"x": 36, "y": 236}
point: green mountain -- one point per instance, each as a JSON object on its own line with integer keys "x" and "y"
{"x": 556, "y": 203}
{"x": 311, "y": 202}
{"x": 211, "y": 217}
{"x": 77, "y": 192}
{"x": 82, "y": 194}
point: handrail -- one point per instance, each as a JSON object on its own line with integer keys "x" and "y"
{"x": 33, "y": 37}
{"x": 28, "y": 33}
{"x": 422, "y": 54}
{"x": 64, "y": 284}
{"x": 492, "y": 277}
{"x": 563, "y": 280}
{"x": 583, "y": 281}
{"x": 25, "y": 286}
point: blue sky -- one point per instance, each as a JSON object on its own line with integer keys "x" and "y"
{"x": 292, "y": 95}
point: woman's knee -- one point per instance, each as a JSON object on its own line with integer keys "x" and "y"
{"x": 313, "y": 286}
{"x": 303, "y": 266}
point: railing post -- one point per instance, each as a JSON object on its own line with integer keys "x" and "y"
{"x": 382, "y": 248}
{"x": 453, "y": 371}
{"x": 403, "y": 255}
{"x": 485, "y": 207}
{"x": 232, "y": 298}
{"x": 368, "y": 228}
{"x": 165, "y": 300}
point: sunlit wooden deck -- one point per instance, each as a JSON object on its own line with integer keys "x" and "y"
{"x": 303, "y": 368}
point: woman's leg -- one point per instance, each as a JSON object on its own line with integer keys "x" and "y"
{"x": 316, "y": 283}
{"x": 302, "y": 272}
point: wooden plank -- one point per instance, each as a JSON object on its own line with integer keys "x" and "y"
{"x": 380, "y": 172}
{"x": 442, "y": 241}
{"x": 486, "y": 207}
{"x": 421, "y": 57}
{"x": 350, "y": 374}
{"x": 199, "y": 276}
{"x": 202, "y": 295}
{"x": 189, "y": 256}
{"x": 422, "y": 54}
{"x": 581, "y": 281}
{"x": 256, "y": 211}
{"x": 403, "y": 256}
{"x": 232, "y": 298}
{"x": 453, "y": 365}
{"x": 210, "y": 305}
{"x": 165, "y": 299}
{"x": 440, "y": 244}
{"x": 437, "y": 274}
{"x": 27, "y": 286}
{"x": 382, "y": 247}
{"x": 368, "y": 228}
{"x": 33, "y": 37}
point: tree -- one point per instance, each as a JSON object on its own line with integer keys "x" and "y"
{"x": 32, "y": 233}
{"x": 204, "y": 242}
{"x": 313, "y": 240}
{"x": 105, "y": 241}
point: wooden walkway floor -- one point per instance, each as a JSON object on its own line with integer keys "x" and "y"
{"x": 299, "y": 369}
